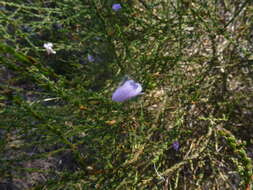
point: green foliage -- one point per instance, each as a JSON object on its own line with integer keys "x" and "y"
{"x": 59, "y": 128}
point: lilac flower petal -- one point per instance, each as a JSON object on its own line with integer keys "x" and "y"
{"x": 175, "y": 145}
{"x": 116, "y": 7}
{"x": 90, "y": 58}
{"x": 127, "y": 90}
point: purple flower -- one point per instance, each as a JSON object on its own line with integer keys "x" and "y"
{"x": 116, "y": 7}
{"x": 127, "y": 90}
{"x": 90, "y": 58}
{"x": 175, "y": 145}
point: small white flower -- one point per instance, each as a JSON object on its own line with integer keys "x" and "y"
{"x": 49, "y": 48}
